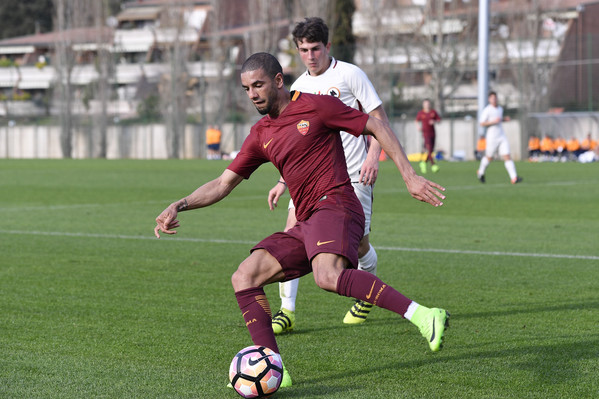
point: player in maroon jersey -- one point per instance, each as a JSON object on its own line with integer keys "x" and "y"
{"x": 299, "y": 134}
{"x": 427, "y": 117}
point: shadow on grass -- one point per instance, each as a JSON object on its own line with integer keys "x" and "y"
{"x": 550, "y": 364}
{"x": 561, "y": 365}
{"x": 531, "y": 308}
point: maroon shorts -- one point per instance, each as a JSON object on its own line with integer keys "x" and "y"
{"x": 337, "y": 227}
{"x": 429, "y": 141}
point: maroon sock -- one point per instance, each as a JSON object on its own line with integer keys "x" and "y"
{"x": 367, "y": 287}
{"x": 256, "y": 313}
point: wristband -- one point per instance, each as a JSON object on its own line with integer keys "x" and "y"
{"x": 282, "y": 182}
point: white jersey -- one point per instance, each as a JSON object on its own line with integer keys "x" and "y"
{"x": 490, "y": 113}
{"x": 351, "y": 85}
{"x": 497, "y": 141}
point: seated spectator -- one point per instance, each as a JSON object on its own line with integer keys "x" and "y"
{"x": 481, "y": 145}
{"x": 589, "y": 156}
{"x": 213, "y": 136}
{"x": 547, "y": 148}
{"x": 588, "y": 144}
{"x": 573, "y": 148}
{"x": 534, "y": 148}
{"x": 559, "y": 145}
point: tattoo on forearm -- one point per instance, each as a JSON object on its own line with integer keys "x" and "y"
{"x": 183, "y": 206}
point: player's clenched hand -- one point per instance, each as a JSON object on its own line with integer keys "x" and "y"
{"x": 274, "y": 194}
{"x": 166, "y": 222}
{"x": 426, "y": 191}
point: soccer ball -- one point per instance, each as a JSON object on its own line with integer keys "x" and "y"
{"x": 256, "y": 372}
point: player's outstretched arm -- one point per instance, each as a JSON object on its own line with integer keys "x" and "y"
{"x": 203, "y": 196}
{"x": 275, "y": 193}
{"x": 418, "y": 187}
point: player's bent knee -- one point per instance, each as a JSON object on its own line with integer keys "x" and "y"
{"x": 246, "y": 275}
{"x": 326, "y": 278}
{"x": 240, "y": 281}
{"x": 258, "y": 270}
{"x": 327, "y": 268}
{"x": 326, "y": 284}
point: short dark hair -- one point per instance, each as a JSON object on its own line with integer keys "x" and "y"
{"x": 312, "y": 29}
{"x": 492, "y": 93}
{"x": 265, "y": 61}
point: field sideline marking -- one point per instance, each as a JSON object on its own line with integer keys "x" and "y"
{"x": 161, "y": 203}
{"x": 494, "y": 185}
{"x": 217, "y": 241}
{"x": 494, "y": 253}
{"x": 26, "y": 208}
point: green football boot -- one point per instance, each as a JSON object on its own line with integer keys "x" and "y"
{"x": 283, "y": 321}
{"x": 358, "y": 313}
{"x": 286, "y": 383}
{"x": 432, "y": 324}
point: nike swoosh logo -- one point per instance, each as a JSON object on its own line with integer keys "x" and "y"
{"x": 253, "y": 362}
{"x": 319, "y": 243}
{"x": 433, "y": 334}
{"x": 266, "y": 144}
{"x": 371, "y": 288}
{"x": 244, "y": 313}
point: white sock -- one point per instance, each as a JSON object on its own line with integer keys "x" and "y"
{"x": 411, "y": 309}
{"x": 510, "y": 166}
{"x": 484, "y": 162}
{"x": 288, "y": 293}
{"x": 369, "y": 262}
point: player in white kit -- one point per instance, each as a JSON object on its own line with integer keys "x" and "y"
{"x": 328, "y": 76}
{"x": 491, "y": 118}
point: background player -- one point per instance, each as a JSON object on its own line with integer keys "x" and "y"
{"x": 328, "y": 76}
{"x": 427, "y": 118}
{"x": 299, "y": 135}
{"x": 213, "y": 137}
{"x": 492, "y": 118}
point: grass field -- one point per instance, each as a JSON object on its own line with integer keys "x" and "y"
{"x": 93, "y": 306}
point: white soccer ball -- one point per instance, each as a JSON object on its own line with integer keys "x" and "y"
{"x": 256, "y": 372}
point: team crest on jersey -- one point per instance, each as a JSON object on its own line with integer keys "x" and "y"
{"x": 335, "y": 92}
{"x": 303, "y": 127}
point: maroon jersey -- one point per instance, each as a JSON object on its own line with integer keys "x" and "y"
{"x": 425, "y": 118}
{"x": 303, "y": 143}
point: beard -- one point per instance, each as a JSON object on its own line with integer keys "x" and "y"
{"x": 265, "y": 110}
{"x": 266, "y": 107}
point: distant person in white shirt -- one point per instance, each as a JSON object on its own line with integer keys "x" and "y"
{"x": 491, "y": 118}
{"x": 327, "y": 76}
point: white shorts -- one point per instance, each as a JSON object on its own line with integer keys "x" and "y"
{"x": 364, "y": 194}
{"x": 497, "y": 143}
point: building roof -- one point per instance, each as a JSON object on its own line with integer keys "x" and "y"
{"x": 503, "y": 7}
{"x": 139, "y": 14}
{"x": 163, "y": 3}
{"x": 76, "y": 36}
{"x": 245, "y": 29}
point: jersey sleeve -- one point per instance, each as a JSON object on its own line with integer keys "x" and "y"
{"x": 338, "y": 116}
{"x": 362, "y": 88}
{"x": 250, "y": 157}
{"x": 484, "y": 116}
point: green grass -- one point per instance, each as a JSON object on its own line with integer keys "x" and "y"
{"x": 92, "y": 306}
